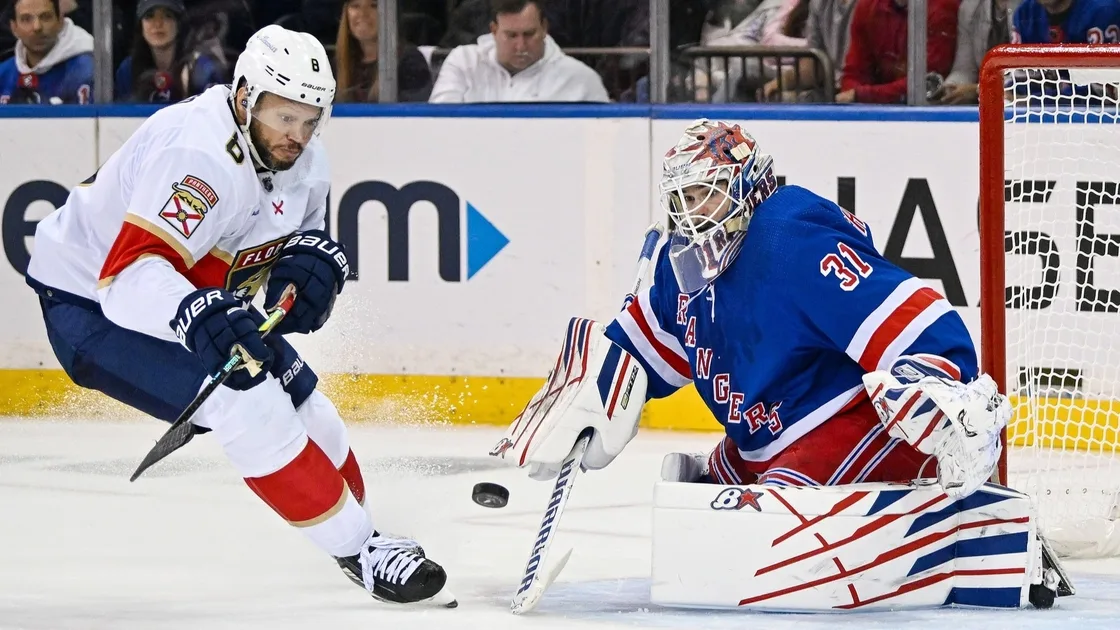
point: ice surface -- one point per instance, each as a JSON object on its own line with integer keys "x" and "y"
{"x": 189, "y": 546}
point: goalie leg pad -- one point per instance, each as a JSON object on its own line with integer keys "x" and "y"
{"x": 858, "y": 547}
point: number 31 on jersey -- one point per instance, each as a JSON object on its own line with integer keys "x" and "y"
{"x": 846, "y": 265}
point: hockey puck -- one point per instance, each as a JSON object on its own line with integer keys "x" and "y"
{"x": 490, "y": 495}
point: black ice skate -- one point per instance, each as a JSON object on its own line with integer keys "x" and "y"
{"x": 395, "y": 570}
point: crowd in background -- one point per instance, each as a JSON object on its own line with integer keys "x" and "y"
{"x": 454, "y": 51}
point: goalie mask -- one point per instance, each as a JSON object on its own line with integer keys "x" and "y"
{"x": 289, "y": 89}
{"x": 712, "y": 181}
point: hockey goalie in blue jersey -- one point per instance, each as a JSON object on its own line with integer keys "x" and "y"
{"x": 826, "y": 364}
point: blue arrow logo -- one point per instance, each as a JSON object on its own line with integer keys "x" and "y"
{"x": 484, "y": 241}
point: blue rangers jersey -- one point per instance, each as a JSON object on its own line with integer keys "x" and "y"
{"x": 71, "y": 81}
{"x": 1086, "y": 22}
{"x": 777, "y": 344}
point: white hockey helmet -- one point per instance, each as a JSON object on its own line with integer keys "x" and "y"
{"x": 712, "y": 180}
{"x": 288, "y": 64}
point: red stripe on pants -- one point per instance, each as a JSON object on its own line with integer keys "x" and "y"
{"x": 306, "y": 491}
{"x": 353, "y": 476}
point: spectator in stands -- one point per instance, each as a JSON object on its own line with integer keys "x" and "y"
{"x": 517, "y": 61}
{"x": 53, "y": 60}
{"x": 356, "y": 59}
{"x": 161, "y": 69}
{"x": 787, "y": 28}
{"x": 1062, "y": 22}
{"x": 875, "y": 68}
{"x": 589, "y": 23}
{"x": 1066, "y": 22}
{"x": 584, "y": 24}
{"x": 827, "y": 29}
{"x": 770, "y": 24}
{"x": 981, "y": 25}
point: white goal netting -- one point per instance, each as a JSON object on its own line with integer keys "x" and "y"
{"x": 1062, "y": 242}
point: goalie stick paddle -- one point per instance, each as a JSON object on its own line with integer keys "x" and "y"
{"x": 182, "y": 431}
{"x": 533, "y": 585}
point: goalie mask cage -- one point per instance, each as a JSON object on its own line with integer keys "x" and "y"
{"x": 1050, "y": 280}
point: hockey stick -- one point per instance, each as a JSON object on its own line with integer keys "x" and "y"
{"x": 653, "y": 234}
{"x": 182, "y": 431}
{"x": 533, "y": 585}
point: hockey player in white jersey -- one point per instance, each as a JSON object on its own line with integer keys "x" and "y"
{"x": 146, "y": 273}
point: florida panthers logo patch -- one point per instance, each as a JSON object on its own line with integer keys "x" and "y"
{"x": 250, "y": 267}
{"x": 191, "y": 199}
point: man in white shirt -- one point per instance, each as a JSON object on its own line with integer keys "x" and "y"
{"x": 517, "y": 61}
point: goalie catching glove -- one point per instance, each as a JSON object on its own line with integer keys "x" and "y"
{"x": 920, "y": 401}
{"x": 595, "y": 384}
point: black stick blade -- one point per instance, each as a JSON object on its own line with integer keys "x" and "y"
{"x": 176, "y": 437}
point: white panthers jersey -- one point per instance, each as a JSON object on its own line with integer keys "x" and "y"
{"x": 183, "y": 188}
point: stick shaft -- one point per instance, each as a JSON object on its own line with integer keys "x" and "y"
{"x": 533, "y": 584}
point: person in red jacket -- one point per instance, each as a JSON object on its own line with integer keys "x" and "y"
{"x": 875, "y": 67}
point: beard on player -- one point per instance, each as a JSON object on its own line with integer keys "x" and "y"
{"x": 277, "y": 155}
{"x": 280, "y": 130}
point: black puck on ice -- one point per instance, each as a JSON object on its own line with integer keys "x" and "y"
{"x": 490, "y": 495}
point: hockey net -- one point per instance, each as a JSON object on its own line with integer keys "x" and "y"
{"x": 1050, "y": 281}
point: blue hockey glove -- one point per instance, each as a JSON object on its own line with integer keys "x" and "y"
{"x": 295, "y": 376}
{"x": 317, "y": 266}
{"x": 212, "y": 324}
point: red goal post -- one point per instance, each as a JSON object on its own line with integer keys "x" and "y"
{"x": 1072, "y": 418}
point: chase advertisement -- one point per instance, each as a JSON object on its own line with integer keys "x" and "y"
{"x": 472, "y": 241}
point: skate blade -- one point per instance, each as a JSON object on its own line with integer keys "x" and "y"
{"x": 443, "y": 598}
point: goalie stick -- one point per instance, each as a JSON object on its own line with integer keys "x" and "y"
{"x": 533, "y": 582}
{"x": 182, "y": 431}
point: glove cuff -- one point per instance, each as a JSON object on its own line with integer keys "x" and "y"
{"x": 319, "y": 244}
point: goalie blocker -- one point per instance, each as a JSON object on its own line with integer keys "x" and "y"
{"x": 935, "y": 542}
